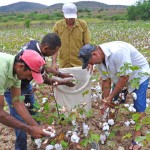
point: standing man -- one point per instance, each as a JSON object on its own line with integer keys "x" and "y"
{"x": 74, "y": 33}
{"x": 110, "y": 59}
{"x": 12, "y": 70}
{"x": 47, "y": 47}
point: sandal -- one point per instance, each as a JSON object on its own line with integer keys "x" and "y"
{"x": 134, "y": 146}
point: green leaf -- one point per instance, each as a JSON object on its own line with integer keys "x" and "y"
{"x": 85, "y": 93}
{"x": 136, "y": 117}
{"x": 112, "y": 134}
{"x": 140, "y": 138}
{"x": 135, "y": 83}
{"x": 137, "y": 127}
{"x": 95, "y": 137}
{"x": 128, "y": 135}
{"x": 64, "y": 144}
{"x": 84, "y": 142}
{"x": 146, "y": 120}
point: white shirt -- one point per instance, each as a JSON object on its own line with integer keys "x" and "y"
{"x": 116, "y": 54}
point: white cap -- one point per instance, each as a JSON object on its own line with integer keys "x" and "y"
{"x": 69, "y": 10}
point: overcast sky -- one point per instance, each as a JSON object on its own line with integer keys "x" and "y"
{"x": 51, "y": 2}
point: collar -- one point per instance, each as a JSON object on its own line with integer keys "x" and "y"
{"x": 38, "y": 47}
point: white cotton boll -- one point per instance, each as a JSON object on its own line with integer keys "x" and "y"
{"x": 111, "y": 122}
{"x": 58, "y": 147}
{"x": 49, "y": 147}
{"x": 132, "y": 109}
{"x": 98, "y": 89}
{"x": 126, "y": 105}
{"x": 92, "y": 88}
{"x": 147, "y": 105}
{"x": 94, "y": 80}
{"x": 102, "y": 138}
{"x": 44, "y": 100}
{"x": 116, "y": 102}
{"x": 38, "y": 142}
{"x": 105, "y": 127}
{"x": 86, "y": 129}
{"x": 127, "y": 123}
{"x": 134, "y": 96}
{"x": 73, "y": 122}
{"x": 75, "y": 138}
{"x": 132, "y": 121}
{"x": 51, "y": 132}
{"x": 107, "y": 133}
{"x": 105, "y": 124}
{"x": 69, "y": 133}
{"x": 94, "y": 97}
{"x": 27, "y": 104}
{"x": 148, "y": 101}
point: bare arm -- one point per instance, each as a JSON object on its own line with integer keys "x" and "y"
{"x": 21, "y": 108}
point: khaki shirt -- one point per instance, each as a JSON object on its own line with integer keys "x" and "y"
{"x": 7, "y": 79}
{"x": 72, "y": 40}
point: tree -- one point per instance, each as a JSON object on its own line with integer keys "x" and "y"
{"x": 139, "y": 11}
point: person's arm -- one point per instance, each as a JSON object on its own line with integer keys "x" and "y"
{"x": 10, "y": 121}
{"x": 20, "y": 107}
{"x": 58, "y": 81}
{"x": 119, "y": 86}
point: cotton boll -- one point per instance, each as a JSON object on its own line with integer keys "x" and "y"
{"x": 127, "y": 123}
{"x": 75, "y": 138}
{"x": 148, "y": 101}
{"x": 126, "y": 105}
{"x": 134, "y": 96}
{"x": 69, "y": 133}
{"x": 107, "y": 133}
{"x": 102, "y": 138}
{"x": 86, "y": 129}
{"x": 44, "y": 100}
{"x": 132, "y": 109}
{"x": 98, "y": 89}
{"x": 105, "y": 126}
{"x": 73, "y": 122}
{"x": 111, "y": 122}
{"x": 94, "y": 97}
{"x": 49, "y": 147}
{"x": 132, "y": 121}
{"x": 38, "y": 142}
{"x": 58, "y": 147}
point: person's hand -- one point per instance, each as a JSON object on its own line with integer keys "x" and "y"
{"x": 37, "y": 131}
{"x": 90, "y": 68}
{"x": 106, "y": 104}
{"x": 65, "y": 75}
{"x": 66, "y": 81}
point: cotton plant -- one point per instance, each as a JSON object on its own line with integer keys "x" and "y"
{"x": 111, "y": 122}
{"x": 134, "y": 96}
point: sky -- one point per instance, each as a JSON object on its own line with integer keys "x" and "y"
{"x": 51, "y": 2}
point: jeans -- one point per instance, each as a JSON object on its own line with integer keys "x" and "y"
{"x": 21, "y": 136}
{"x": 140, "y": 102}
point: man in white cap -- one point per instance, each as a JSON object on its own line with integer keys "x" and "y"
{"x": 12, "y": 70}
{"x": 74, "y": 33}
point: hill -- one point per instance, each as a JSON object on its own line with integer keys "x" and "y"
{"x": 91, "y": 5}
{"x": 22, "y": 6}
{"x": 28, "y": 6}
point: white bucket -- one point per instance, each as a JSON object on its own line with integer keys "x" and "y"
{"x": 72, "y": 96}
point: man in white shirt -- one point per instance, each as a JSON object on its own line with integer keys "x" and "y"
{"x": 121, "y": 63}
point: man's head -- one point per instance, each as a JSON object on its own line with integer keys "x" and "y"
{"x": 90, "y": 54}
{"x": 28, "y": 65}
{"x": 50, "y": 44}
{"x": 70, "y": 13}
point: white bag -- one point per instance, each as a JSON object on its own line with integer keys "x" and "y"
{"x": 72, "y": 96}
